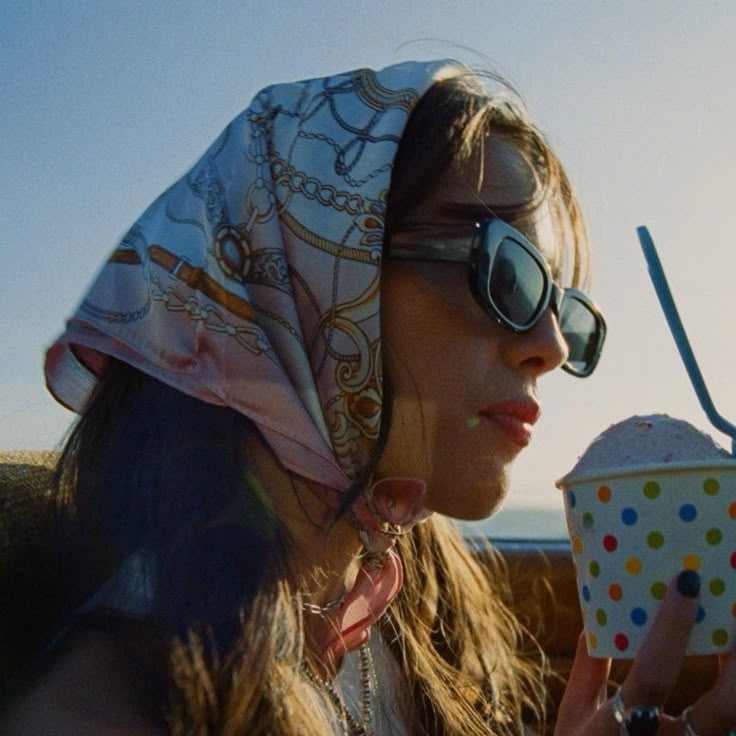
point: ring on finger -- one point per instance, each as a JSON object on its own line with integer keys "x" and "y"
{"x": 637, "y": 720}
{"x": 686, "y": 725}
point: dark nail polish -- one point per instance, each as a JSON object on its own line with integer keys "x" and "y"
{"x": 688, "y": 583}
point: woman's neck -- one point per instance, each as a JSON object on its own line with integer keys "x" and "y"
{"x": 325, "y": 558}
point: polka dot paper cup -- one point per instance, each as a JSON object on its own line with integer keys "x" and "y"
{"x": 633, "y": 529}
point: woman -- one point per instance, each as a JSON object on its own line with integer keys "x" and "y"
{"x": 249, "y": 536}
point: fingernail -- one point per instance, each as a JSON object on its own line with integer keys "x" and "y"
{"x": 688, "y": 583}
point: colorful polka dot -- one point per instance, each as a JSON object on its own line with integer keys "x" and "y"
{"x": 572, "y": 499}
{"x": 586, "y": 593}
{"x": 610, "y": 543}
{"x": 604, "y": 494}
{"x": 732, "y": 510}
{"x": 638, "y": 617}
{"x": 733, "y": 610}
{"x": 699, "y": 614}
{"x": 629, "y": 517}
{"x": 719, "y": 637}
{"x": 713, "y": 536}
{"x": 615, "y": 592}
{"x": 633, "y": 566}
{"x": 733, "y": 559}
{"x": 655, "y": 540}
{"x": 621, "y": 642}
{"x": 687, "y": 512}
{"x": 593, "y": 641}
{"x": 588, "y": 520}
{"x": 595, "y": 568}
{"x": 658, "y": 590}
{"x": 577, "y": 545}
{"x": 691, "y": 562}
{"x": 651, "y": 489}
{"x": 711, "y": 486}
{"x": 600, "y": 617}
{"x": 717, "y": 586}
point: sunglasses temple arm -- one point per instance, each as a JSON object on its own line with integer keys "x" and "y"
{"x": 656, "y": 273}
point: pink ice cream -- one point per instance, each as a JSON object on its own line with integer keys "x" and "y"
{"x": 646, "y": 440}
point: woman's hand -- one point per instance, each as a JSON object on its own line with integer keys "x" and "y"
{"x": 650, "y": 681}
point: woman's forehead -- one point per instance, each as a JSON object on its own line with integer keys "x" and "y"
{"x": 495, "y": 180}
{"x": 501, "y": 175}
{"x": 496, "y": 177}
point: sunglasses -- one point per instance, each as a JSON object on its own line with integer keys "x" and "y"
{"x": 511, "y": 282}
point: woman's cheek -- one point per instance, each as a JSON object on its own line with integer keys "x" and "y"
{"x": 410, "y": 447}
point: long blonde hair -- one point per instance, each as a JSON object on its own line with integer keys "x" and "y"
{"x": 471, "y": 668}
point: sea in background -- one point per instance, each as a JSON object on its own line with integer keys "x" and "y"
{"x": 521, "y": 522}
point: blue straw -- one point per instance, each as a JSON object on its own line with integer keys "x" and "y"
{"x": 656, "y": 273}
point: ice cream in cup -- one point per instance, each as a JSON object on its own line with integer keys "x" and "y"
{"x": 651, "y": 496}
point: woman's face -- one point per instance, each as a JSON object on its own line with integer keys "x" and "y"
{"x": 465, "y": 388}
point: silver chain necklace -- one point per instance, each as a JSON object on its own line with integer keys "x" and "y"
{"x": 327, "y": 607}
{"x": 368, "y": 685}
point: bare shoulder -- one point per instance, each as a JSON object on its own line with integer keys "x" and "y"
{"x": 86, "y": 691}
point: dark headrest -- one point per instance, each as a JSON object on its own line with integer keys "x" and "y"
{"x": 25, "y": 482}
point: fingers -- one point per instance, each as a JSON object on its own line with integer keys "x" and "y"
{"x": 658, "y": 662}
{"x": 652, "y": 676}
{"x": 587, "y": 678}
{"x": 715, "y": 711}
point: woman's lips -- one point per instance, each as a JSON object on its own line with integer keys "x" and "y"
{"x": 519, "y": 432}
{"x": 515, "y": 418}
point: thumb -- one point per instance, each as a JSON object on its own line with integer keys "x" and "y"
{"x": 586, "y": 681}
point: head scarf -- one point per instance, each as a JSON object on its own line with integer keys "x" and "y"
{"x": 254, "y": 282}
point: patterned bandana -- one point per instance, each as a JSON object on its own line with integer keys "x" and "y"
{"x": 253, "y": 282}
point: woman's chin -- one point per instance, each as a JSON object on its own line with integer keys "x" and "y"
{"x": 472, "y": 505}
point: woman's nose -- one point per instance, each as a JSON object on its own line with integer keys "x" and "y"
{"x": 541, "y": 349}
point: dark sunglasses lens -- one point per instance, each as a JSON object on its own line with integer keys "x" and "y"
{"x": 583, "y": 334}
{"x": 516, "y": 284}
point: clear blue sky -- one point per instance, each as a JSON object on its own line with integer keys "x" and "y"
{"x": 104, "y": 104}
